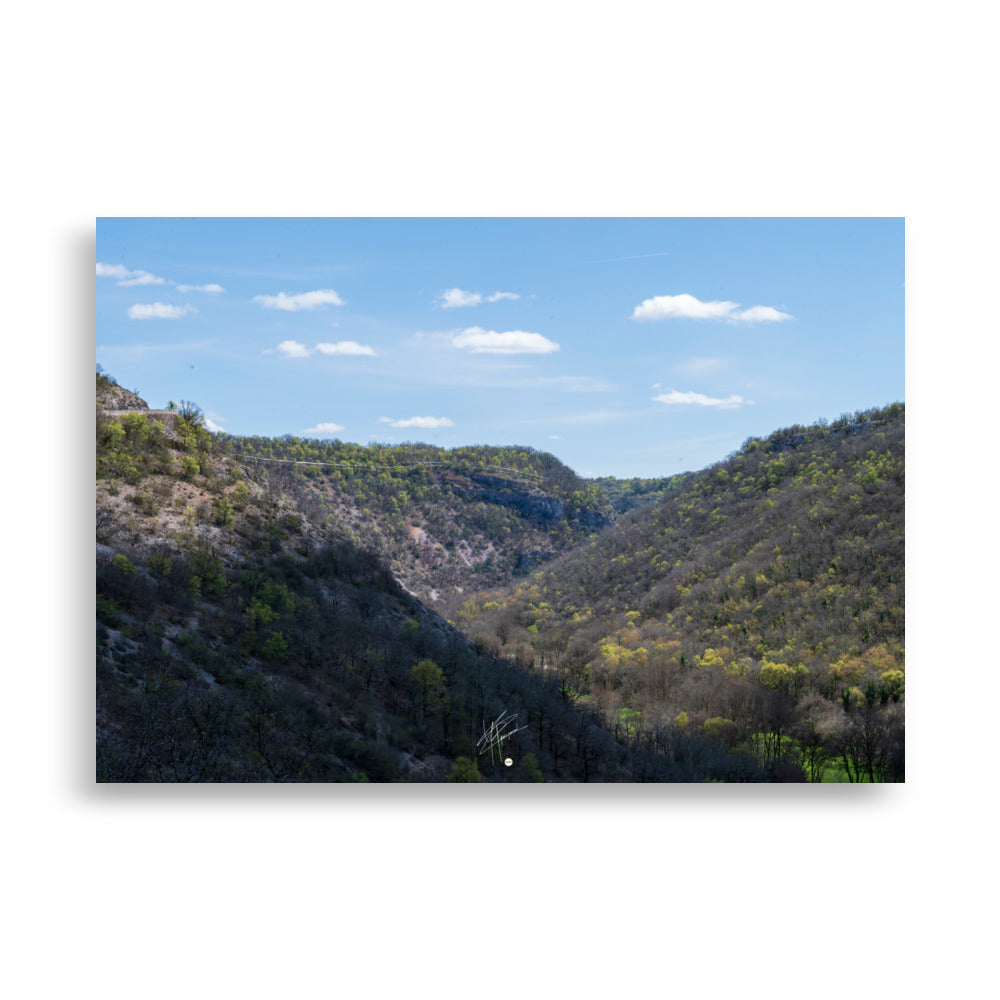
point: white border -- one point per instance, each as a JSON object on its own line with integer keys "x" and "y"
{"x": 552, "y": 109}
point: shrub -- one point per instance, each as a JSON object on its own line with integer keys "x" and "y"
{"x": 123, "y": 565}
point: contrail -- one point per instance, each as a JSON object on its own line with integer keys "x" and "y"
{"x": 659, "y": 253}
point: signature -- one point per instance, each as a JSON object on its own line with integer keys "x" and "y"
{"x": 500, "y": 730}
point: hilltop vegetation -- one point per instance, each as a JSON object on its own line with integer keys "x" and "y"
{"x": 760, "y": 601}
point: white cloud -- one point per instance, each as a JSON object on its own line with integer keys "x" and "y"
{"x": 675, "y": 398}
{"x": 481, "y": 341}
{"x": 304, "y": 300}
{"x": 455, "y": 297}
{"x": 127, "y": 278}
{"x": 686, "y": 306}
{"x": 323, "y": 429}
{"x": 157, "y": 310}
{"x": 424, "y": 423}
{"x": 761, "y": 314}
{"x": 213, "y": 289}
{"x": 142, "y": 278}
{"x": 682, "y": 307}
{"x": 212, "y": 422}
{"x": 555, "y": 437}
{"x": 112, "y": 271}
{"x": 346, "y": 347}
{"x": 293, "y": 349}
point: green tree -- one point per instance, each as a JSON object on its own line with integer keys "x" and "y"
{"x": 240, "y": 496}
{"x": 465, "y": 769}
{"x": 222, "y": 512}
{"x": 430, "y": 681}
{"x": 529, "y": 768}
{"x": 123, "y": 564}
{"x": 190, "y": 466}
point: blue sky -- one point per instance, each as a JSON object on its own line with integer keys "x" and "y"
{"x": 626, "y": 347}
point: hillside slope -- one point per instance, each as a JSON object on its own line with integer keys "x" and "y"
{"x": 771, "y": 584}
{"x": 447, "y": 521}
{"x": 242, "y": 639}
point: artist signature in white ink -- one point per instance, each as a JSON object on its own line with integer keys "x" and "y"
{"x": 499, "y": 731}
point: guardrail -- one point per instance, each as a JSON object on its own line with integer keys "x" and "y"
{"x": 146, "y": 412}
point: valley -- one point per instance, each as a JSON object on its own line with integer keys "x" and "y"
{"x": 294, "y": 609}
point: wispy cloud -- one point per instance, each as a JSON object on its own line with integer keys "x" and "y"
{"x": 699, "y": 366}
{"x": 455, "y": 298}
{"x": 481, "y": 341}
{"x": 346, "y": 347}
{"x": 304, "y": 300}
{"x": 686, "y": 306}
{"x": 674, "y": 398}
{"x": 127, "y": 278}
{"x": 570, "y": 383}
{"x": 591, "y": 417}
{"x": 424, "y": 423}
{"x": 212, "y": 422}
{"x": 158, "y": 310}
{"x": 323, "y": 429}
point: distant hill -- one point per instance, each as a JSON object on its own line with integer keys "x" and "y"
{"x": 446, "y": 521}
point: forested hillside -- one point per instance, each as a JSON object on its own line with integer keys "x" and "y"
{"x": 447, "y": 521}
{"x": 243, "y": 637}
{"x": 760, "y": 601}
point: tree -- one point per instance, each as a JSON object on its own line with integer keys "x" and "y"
{"x": 529, "y": 769}
{"x": 870, "y": 745}
{"x": 222, "y": 512}
{"x": 191, "y": 412}
{"x": 429, "y": 678}
{"x": 465, "y": 769}
{"x": 813, "y": 751}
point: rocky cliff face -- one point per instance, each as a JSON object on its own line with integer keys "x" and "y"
{"x": 534, "y": 505}
{"x": 115, "y": 397}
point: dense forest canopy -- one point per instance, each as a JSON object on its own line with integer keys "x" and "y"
{"x": 771, "y": 582}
